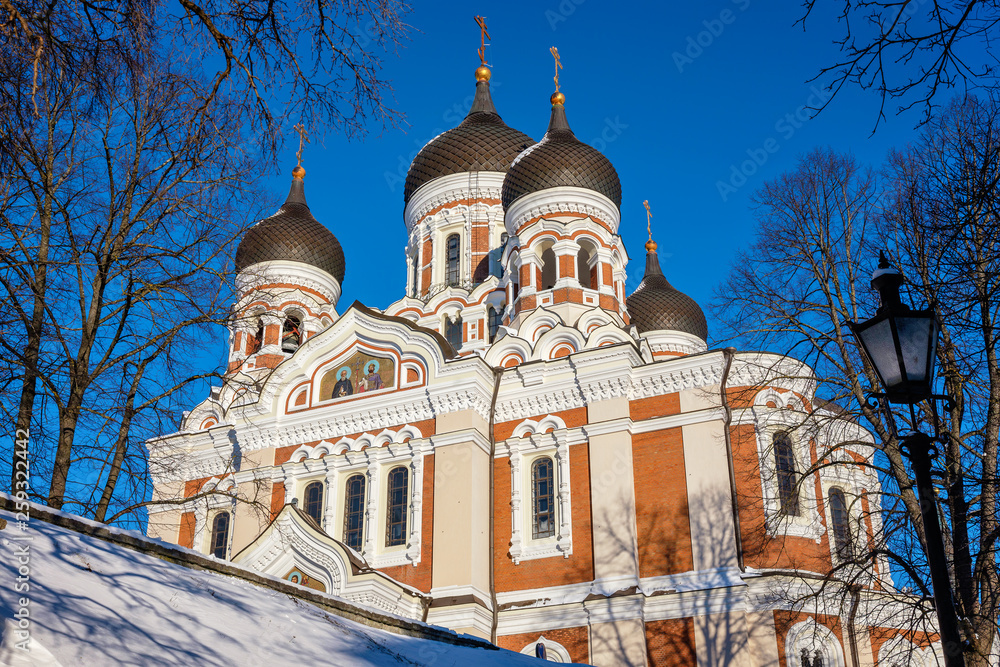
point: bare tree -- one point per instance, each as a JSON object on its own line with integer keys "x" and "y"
{"x": 808, "y": 274}
{"x": 912, "y": 50}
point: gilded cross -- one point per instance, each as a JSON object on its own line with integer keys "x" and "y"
{"x": 555, "y": 54}
{"x": 303, "y": 140}
{"x": 483, "y": 36}
{"x": 649, "y": 219}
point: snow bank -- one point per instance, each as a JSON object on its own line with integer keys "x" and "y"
{"x": 92, "y": 602}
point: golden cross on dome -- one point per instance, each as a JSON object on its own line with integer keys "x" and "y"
{"x": 303, "y": 140}
{"x": 484, "y": 35}
{"x": 649, "y": 219}
{"x": 555, "y": 54}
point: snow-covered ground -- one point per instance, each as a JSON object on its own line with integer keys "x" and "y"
{"x": 92, "y": 602}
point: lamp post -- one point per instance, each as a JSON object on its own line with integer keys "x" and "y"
{"x": 901, "y": 345}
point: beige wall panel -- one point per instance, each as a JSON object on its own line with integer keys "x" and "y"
{"x": 249, "y": 520}
{"x": 164, "y": 525}
{"x": 612, "y": 408}
{"x": 461, "y": 420}
{"x": 613, "y": 506}
{"x": 168, "y": 491}
{"x": 618, "y": 644}
{"x": 710, "y": 508}
{"x": 721, "y": 639}
{"x": 702, "y": 398}
{"x": 763, "y": 642}
{"x": 461, "y": 516}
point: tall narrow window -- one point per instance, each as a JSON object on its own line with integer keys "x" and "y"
{"x": 543, "y": 511}
{"x": 314, "y": 502}
{"x": 220, "y": 534}
{"x": 583, "y": 267}
{"x": 548, "y": 268}
{"x": 841, "y": 523}
{"x": 453, "y": 331}
{"x": 354, "y": 512}
{"x": 451, "y": 273}
{"x": 397, "y": 500}
{"x": 494, "y": 323}
{"x": 258, "y": 338}
{"x": 788, "y": 488}
{"x": 290, "y": 336}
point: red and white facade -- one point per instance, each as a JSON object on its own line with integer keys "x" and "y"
{"x": 563, "y": 479}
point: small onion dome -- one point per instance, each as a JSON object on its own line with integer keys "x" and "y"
{"x": 656, "y": 306}
{"x": 292, "y": 234}
{"x": 481, "y": 142}
{"x": 560, "y": 159}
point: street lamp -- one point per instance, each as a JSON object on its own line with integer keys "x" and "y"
{"x": 901, "y": 345}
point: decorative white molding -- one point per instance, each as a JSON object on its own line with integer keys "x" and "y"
{"x": 563, "y": 199}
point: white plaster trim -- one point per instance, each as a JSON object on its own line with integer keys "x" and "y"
{"x": 562, "y": 199}
{"x": 812, "y": 636}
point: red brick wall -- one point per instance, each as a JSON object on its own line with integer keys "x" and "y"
{"x": 880, "y": 636}
{"x": 655, "y": 406}
{"x": 419, "y": 576}
{"x": 662, "y": 521}
{"x": 555, "y": 570}
{"x": 784, "y": 620}
{"x": 185, "y": 537}
{"x": 671, "y": 643}
{"x": 277, "y": 499}
{"x": 575, "y": 640}
{"x": 759, "y": 549}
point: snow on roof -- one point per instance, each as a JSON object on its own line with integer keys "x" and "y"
{"x": 94, "y": 602}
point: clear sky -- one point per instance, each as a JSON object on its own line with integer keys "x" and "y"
{"x": 677, "y": 95}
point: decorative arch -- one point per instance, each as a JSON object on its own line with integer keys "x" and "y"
{"x": 807, "y": 641}
{"x": 554, "y": 651}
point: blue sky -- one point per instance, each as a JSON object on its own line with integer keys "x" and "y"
{"x": 677, "y": 95}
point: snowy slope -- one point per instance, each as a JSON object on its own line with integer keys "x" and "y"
{"x": 97, "y": 603}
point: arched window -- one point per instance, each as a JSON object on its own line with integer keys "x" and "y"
{"x": 258, "y": 337}
{"x": 220, "y": 534}
{"x": 548, "y": 268}
{"x": 543, "y": 510}
{"x": 313, "y": 505}
{"x": 788, "y": 487}
{"x": 841, "y": 523}
{"x": 583, "y": 267}
{"x": 290, "y": 336}
{"x": 397, "y": 500}
{"x": 494, "y": 323}
{"x": 354, "y": 512}
{"x": 451, "y": 272}
{"x": 453, "y": 331}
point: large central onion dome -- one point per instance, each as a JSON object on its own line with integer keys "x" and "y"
{"x": 481, "y": 142}
{"x": 560, "y": 159}
{"x": 292, "y": 235}
{"x": 657, "y": 306}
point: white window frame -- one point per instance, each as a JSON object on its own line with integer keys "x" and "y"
{"x": 811, "y": 635}
{"x": 523, "y": 453}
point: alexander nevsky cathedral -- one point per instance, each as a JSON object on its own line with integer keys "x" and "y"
{"x": 519, "y": 449}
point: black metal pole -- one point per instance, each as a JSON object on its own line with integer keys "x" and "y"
{"x": 920, "y": 448}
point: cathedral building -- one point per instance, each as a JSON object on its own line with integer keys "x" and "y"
{"x": 519, "y": 449}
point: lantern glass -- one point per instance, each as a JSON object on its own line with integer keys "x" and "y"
{"x": 877, "y": 341}
{"x": 917, "y": 343}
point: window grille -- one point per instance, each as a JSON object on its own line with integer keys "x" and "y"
{"x": 398, "y": 497}
{"x": 788, "y": 491}
{"x": 543, "y": 515}
{"x": 354, "y": 512}
{"x": 220, "y": 534}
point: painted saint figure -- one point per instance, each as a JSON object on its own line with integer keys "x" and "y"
{"x": 373, "y": 380}
{"x": 344, "y": 386}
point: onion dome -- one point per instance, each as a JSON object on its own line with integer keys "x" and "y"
{"x": 560, "y": 159}
{"x": 481, "y": 142}
{"x": 293, "y": 235}
{"x": 656, "y": 306}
